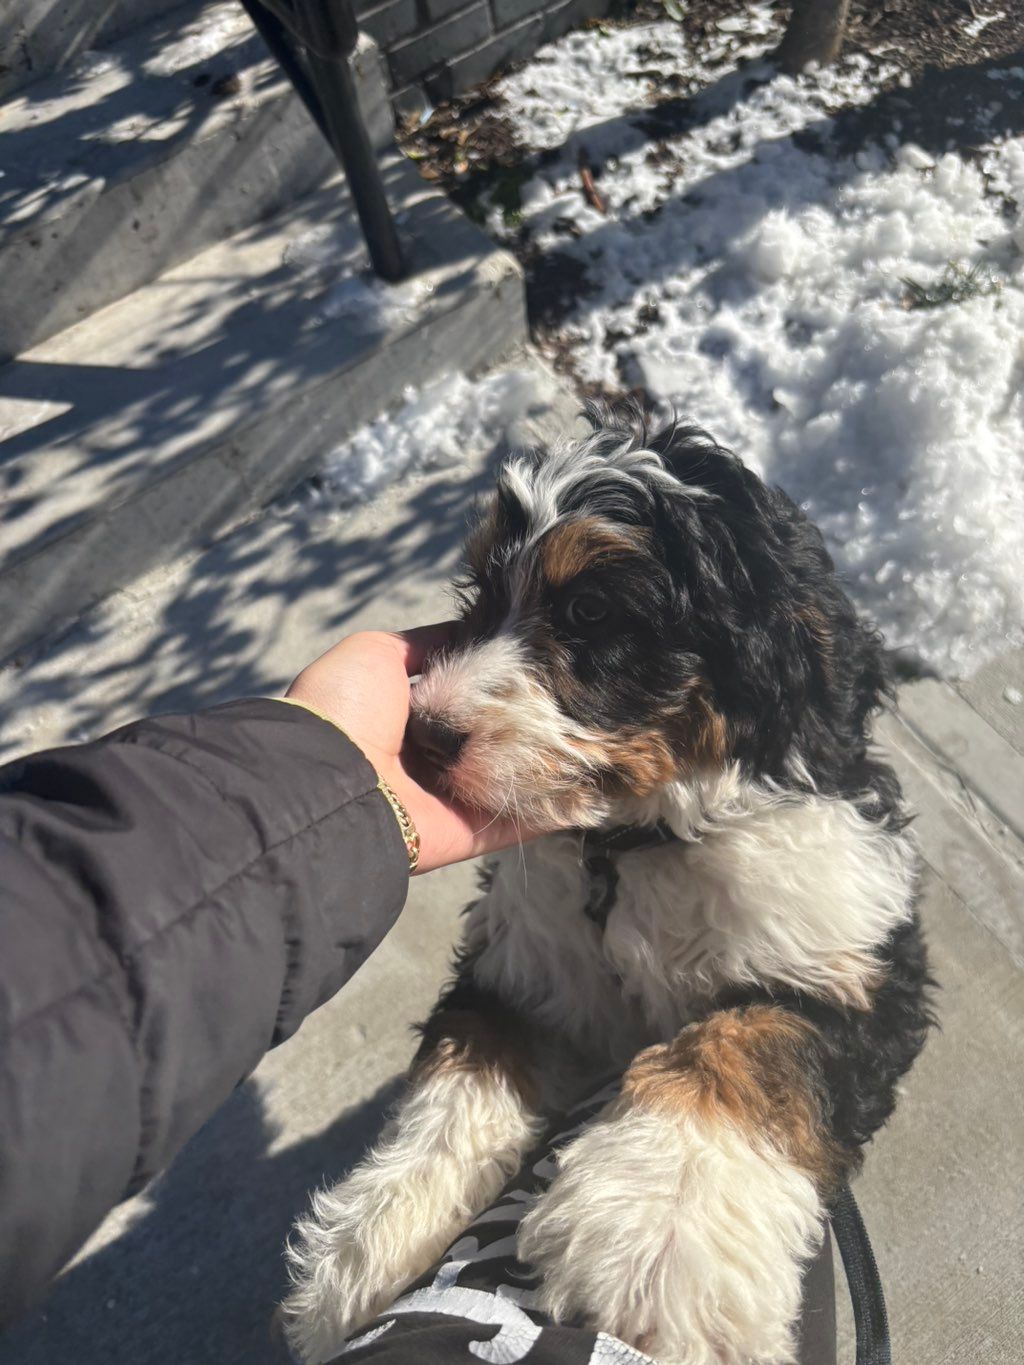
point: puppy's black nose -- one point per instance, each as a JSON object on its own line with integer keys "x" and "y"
{"x": 439, "y": 743}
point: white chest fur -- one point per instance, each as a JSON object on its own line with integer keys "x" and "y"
{"x": 767, "y": 887}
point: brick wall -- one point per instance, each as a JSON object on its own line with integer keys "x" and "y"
{"x": 446, "y": 46}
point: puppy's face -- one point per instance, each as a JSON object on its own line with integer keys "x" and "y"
{"x": 605, "y": 592}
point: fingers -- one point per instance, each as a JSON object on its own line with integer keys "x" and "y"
{"x": 420, "y": 642}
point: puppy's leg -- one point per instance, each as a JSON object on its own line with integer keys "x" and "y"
{"x": 681, "y": 1220}
{"x": 459, "y": 1133}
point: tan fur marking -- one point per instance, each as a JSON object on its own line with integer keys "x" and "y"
{"x": 569, "y": 549}
{"x": 476, "y": 1040}
{"x": 856, "y": 977}
{"x": 696, "y": 738}
{"x": 706, "y": 731}
{"x": 744, "y": 1067}
{"x": 639, "y": 762}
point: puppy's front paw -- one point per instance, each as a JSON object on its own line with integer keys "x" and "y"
{"x": 453, "y": 1143}
{"x": 361, "y": 1245}
{"x": 683, "y": 1244}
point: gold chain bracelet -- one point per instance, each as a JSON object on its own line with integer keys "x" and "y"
{"x": 410, "y": 836}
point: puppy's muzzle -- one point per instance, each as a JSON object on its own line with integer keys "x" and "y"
{"x": 436, "y": 742}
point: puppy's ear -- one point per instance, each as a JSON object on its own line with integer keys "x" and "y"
{"x": 702, "y": 465}
{"x": 627, "y": 418}
{"x": 786, "y": 653}
{"x": 720, "y": 542}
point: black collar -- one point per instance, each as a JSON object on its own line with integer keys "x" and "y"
{"x": 629, "y": 838}
{"x": 598, "y": 849}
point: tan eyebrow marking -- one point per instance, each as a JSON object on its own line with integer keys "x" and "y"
{"x": 573, "y": 546}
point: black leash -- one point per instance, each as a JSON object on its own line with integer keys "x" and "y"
{"x": 862, "y": 1277}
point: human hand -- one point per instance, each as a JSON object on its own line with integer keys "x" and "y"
{"x": 362, "y": 685}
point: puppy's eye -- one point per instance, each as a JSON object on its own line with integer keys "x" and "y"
{"x": 586, "y": 609}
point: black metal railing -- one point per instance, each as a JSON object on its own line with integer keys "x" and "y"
{"x": 312, "y": 41}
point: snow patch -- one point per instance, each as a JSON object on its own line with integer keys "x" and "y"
{"x": 343, "y": 288}
{"x": 435, "y": 427}
{"x": 324, "y": 248}
{"x": 370, "y": 305}
{"x": 756, "y": 283}
{"x": 92, "y": 63}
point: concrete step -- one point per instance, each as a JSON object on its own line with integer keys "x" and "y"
{"x": 234, "y": 618}
{"x": 39, "y": 36}
{"x": 183, "y": 408}
{"x": 144, "y": 154}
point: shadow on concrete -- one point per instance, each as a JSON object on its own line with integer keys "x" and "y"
{"x": 232, "y": 364}
{"x": 121, "y": 112}
{"x": 245, "y": 389}
{"x": 213, "y": 640}
{"x": 164, "y": 394}
{"x": 195, "y": 1278}
{"x": 69, "y": 137}
{"x": 39, "y": 37}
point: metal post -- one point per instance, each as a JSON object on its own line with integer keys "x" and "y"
{"x": 322, "y": 78}
{"x": 347, "y": 134}
{"x": 281, "y": 41}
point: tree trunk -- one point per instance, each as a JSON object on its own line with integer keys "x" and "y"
{"x": 815, "y": 34}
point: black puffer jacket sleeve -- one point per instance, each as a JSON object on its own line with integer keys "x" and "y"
{"x": 174, "y": 899}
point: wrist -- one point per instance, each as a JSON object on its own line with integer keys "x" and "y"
{"x": 391, "y": 782}
{"x": 409, "y": 832}
{"x": 444, "y": 836}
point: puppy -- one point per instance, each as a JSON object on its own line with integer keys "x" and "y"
{"x": 654, "y": 653}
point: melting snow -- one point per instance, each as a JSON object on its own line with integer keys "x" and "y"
{"x": 434, "y": 428}
{"x": 93, "y": 62}
{"x": 333, "y": 259}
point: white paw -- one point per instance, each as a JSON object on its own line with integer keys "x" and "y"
{"x": 452, "y": 1145}
{"x": 685, "y": 1243}
{"x": 363, "y": 1243}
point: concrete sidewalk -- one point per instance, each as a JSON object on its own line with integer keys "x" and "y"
{"x": 188, "y": 1273}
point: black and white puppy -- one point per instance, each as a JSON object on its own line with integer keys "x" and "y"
{"x": 655, "y": 652}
